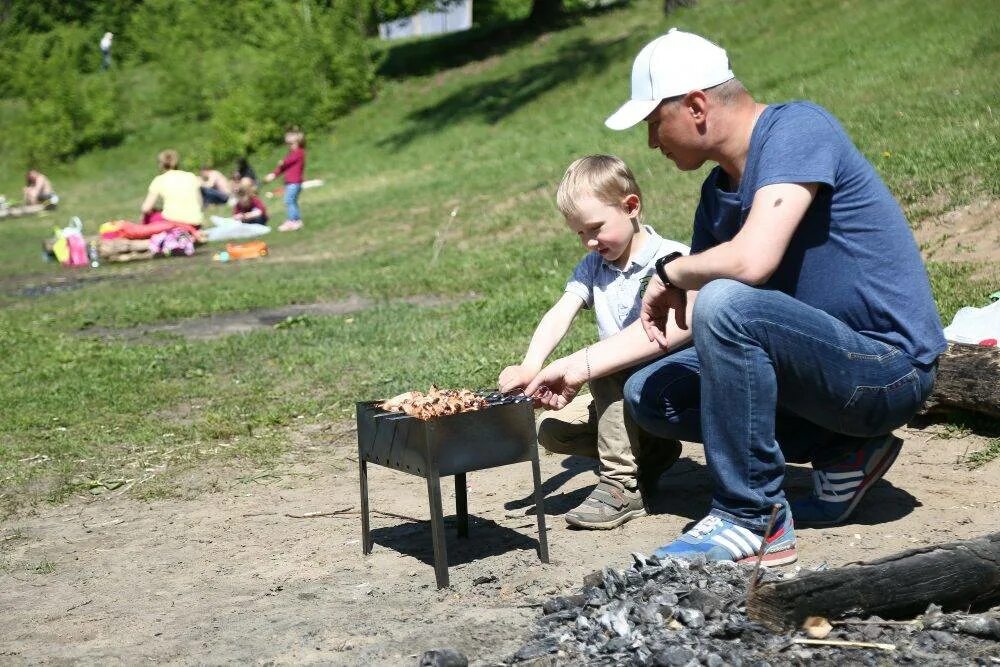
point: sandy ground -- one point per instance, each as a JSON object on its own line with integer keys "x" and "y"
{"x": 225, "y": 575}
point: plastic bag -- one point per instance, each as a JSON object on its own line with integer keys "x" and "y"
{"x": 228, "y": 229}
{"x": 974, "y": 325}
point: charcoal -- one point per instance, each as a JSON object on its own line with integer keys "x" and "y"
{"x": 665, "y": 598}
{"x": 980, "y": 625}
{"x": 615, "y": 619}
{"x": 595, "y": 596}
{"x": 692, "y": 618}
{"x": 557, "y": 616}
{"x": 633, "y": 580}
{"x": 713, "y": 660}
{"x": 871, "y": 632}
{"x": 674, "y": 656}
{"x": 670, "y": 612}
{"x": 704, "y": 601}
{"x": 561, "y": 602}
{"x": 443, "y": 657}
{"x": 537, "y": 649}
{"x": 616, "y": 644}
{"x": 614, "y": 582}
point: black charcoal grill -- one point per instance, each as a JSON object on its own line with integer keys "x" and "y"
{"x": 500, "y": 434}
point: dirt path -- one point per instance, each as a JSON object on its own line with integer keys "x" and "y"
{"x": 227, "y": 577}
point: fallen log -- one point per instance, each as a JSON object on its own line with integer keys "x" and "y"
{"x": 968, "y": 378}
{"x": 958, "y": 575}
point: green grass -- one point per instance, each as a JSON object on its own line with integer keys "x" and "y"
{"x": 914, "y": 83}
{"x": 983, "y": 456}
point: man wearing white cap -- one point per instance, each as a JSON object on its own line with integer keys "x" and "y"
{"x": 813, "y": 326}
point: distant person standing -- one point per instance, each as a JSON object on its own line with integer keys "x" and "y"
{"x": 179, "y": 191}
{"x": 38, "y": 189}
{"x": 292, "y": 166}
{"x": 106, "y": 50}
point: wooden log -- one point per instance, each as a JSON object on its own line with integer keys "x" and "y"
{"x": 958, "y": 575}
{"x": 968, "y": 378}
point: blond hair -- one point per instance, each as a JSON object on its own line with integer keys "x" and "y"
{"x": 606, "y": 177}
{"x": 168, "y": 159}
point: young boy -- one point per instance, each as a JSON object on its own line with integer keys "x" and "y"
{"x": 602, "y": 204}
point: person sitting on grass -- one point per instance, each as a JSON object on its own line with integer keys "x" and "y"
{"x": 815, "y": 331}
{"x": 602, "y": 205}
{"x": 215, "y": 188}
{"x": 38, "y": 189}
{"x": 292, "y": 166}
{"x": 248, "y": 207}
{"x": 179, "y": 191}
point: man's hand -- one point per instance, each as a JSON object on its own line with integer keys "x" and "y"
{"x": 558, "y": 383}
{"x": 269, "y": 178}
{"x": 515, "y": 377}
{"x": 657, "y": 303}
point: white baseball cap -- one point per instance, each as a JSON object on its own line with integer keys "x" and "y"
{"x": 671, "y": 65}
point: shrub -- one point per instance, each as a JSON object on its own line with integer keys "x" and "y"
{"x": 67, "y": 112}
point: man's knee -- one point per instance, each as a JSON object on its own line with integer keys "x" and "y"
{"x": 720, "y": 302}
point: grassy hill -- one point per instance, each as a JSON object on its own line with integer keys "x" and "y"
{"x": 443, "y": 186}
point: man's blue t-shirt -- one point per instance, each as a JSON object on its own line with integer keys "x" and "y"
{"x": 853, "y": 254}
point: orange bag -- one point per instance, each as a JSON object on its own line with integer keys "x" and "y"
{"x": 247, "y": 250}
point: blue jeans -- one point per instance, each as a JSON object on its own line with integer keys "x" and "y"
{"x": 213, "y": 196}
{"x": 292, "y": 200}
{"x": 770, "y": 378}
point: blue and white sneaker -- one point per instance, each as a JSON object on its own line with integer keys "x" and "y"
{"x": 717, "y": 538}
{"x": 838, "y": 489}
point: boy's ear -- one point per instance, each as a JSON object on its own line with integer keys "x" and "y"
{"x": 631, "y": 204}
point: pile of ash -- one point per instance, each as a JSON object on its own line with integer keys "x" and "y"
{"x": 689, "y": 613}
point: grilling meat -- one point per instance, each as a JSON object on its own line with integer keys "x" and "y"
{"x": 435, "y": 403}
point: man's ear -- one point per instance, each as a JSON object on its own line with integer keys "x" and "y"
{"x": 696, "y": 104}
{"x": 632, "y": 205}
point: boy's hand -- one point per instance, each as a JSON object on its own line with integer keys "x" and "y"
{"x": 657, "y": 303}
{"x": 269, "y": 178}
{"x": 515, "y": 377}
{"x": 558, "y": 383}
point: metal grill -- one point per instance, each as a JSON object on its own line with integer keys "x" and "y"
{"x": 500, "y": 434}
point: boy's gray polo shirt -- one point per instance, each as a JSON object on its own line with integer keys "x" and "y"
{"x": 616, "y": 294}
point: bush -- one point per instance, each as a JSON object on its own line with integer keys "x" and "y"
{"x": 316, "y": 67}
{"x": 67, "y": 112}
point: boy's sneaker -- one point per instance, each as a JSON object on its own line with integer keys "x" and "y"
{"x": 609, "y": 505}
{"x": 716, "y": 538}
{"x": 838, "y": 489}
{"x": 290, "y": 226}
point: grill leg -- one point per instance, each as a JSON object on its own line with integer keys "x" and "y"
{"x": 366, "y": 537}
{"x": 462, "y": 505}
{"x": 543, "y": 539}
{"x": 437, "y": 528}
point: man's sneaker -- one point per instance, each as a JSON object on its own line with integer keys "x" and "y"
{"x": 838, "y": 489}
{"x": 717, "y": 538}
{"x": 609, "y": 505}
{"x": 655, "y": 457}
{"x": 290, "y": 226}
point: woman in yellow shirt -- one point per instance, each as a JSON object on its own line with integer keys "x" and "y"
{"x": 179, "y": 191}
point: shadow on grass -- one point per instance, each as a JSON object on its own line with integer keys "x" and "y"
{"x": 492, "y": 100}
{"x": 420, "y": 57}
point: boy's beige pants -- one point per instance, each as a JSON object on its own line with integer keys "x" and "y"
{"x": 597, "y": 426}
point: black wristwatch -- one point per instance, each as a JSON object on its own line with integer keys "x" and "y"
{"x": 661, "y": 267}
